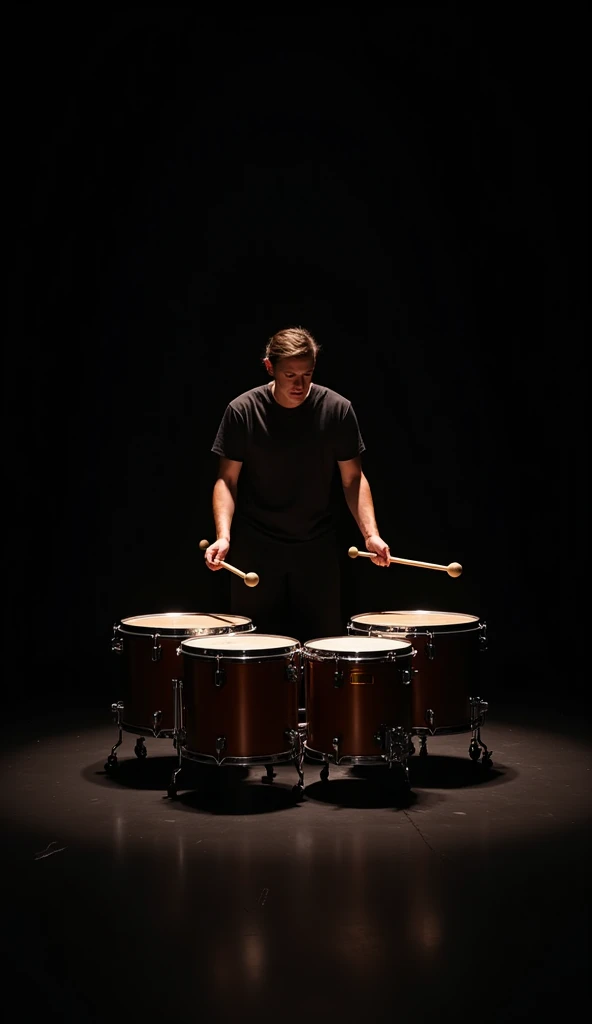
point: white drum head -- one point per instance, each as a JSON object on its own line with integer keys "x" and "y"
{"x": 187, "y": 623}
{"x": 240, "y": 646}
{"x": 361, "y": 647}
{"x": 417, "y": 619}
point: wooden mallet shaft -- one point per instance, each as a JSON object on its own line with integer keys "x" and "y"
{"x": 250, "y": 579}
{"x": 454, "y": 569}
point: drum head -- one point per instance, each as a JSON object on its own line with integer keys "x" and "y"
{"x": 356, "y": 648}
{"x": 257, "y": 645}
{"x": 417, "y": 620}
{"x": 187, "y": 624}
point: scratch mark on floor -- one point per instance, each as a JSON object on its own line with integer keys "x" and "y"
{"x": 48, "y": 852}
{"x": 418, "y": 830}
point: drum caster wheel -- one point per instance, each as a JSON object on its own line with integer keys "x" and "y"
{"x": 111, "y": 763}
{"x": 297, "y": 793}
{"x": 474, "y": 751}
{"x": 140, "y": 749}
{"x": 325, "y": 774}
{"x": 172, "y": 792}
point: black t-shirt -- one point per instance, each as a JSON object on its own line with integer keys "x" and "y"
{"x": 289, "y": 458}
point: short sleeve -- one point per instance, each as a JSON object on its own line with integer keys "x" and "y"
{"x": 230, "y": 439}
{"x": 349, "y": 439}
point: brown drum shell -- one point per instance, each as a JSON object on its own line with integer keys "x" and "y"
{"x": 444, "y": 683}
{"x": 254, "y": 708}
{"x": 147, "y": 685}
{"x": 372, "y": 695}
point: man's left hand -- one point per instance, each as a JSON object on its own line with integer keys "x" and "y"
{"x": 380, "y": 549}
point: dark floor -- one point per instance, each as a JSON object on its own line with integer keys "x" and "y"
{"x": 234, "y": 902}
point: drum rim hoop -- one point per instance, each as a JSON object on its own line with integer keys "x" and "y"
{"x": 385, "y": 655}
{"x": 421, "y": 629}
{"x": 242, "y": 654}
{"x": 138, "y": 630}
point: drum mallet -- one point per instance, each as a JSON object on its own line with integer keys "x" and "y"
{"x": 250, "y": 579}
{"x": 454, "y": 569}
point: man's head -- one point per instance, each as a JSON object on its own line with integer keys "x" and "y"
{"x": 290, "y": 359}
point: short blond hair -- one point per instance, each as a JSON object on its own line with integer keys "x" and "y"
{"x": 290, "y": 343}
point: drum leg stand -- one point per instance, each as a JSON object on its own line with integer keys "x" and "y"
{"x": 296, "y": 740}
{"x": 111, "y": 762}
{"x": 178, "y": 737}
{"x": 477, "y": 748}
{"x": 296, "y": 737}
{"x": 172, "y": 790}
{"x": 395, "y": 742}
{"x": 324, "y": 773}
{"x": 422, "y": 733}
{"x": 140, "y": 744}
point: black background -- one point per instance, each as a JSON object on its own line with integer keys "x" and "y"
{"x": 411, "y": 188}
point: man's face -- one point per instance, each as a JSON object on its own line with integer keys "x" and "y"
{"x": 292, "y": 379}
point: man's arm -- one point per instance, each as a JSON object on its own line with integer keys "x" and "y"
{"x": 223, "y": 505}
{"x": 359, "y": 501}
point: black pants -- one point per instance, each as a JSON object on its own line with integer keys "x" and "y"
{"x": 299, "y": 589}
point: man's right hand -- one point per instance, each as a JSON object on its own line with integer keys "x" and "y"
{"x": 216, "y": 553}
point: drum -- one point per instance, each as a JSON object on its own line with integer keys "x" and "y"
{"x": 448, "y": 666}
{"x": 239, "y": 701}
{"x": 146, "y": 646}
{"x": 358, "y": 700}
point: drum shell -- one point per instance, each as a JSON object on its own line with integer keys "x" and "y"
{"x": 446, "y": 681}
{"x": 147, "y": 684}
{"x": 354, "y": 711}
{"x": 253, "y": 709}
{"x": 148, "y": 663}
{"x": 448, "y": 672}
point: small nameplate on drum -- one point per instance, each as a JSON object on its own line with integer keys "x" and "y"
{"x": 361, "y": 678}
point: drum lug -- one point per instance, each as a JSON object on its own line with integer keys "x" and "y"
{"x": 479, "y": 709}
{"x": 156, "y": 720}
{"x": 483, "y": 637}
{"x": 291, "y": 673}
{"x": 156, "y": 649}
{"x": 178, "y": 706}
{"x": 338, "y": 678}
{"x": 407, "y": 675}
{"x": 397, "y": 746}
{"x": 430, "y": 648}
{"x": 178, "y": 740}
{"x": 430, "y": 718}
{"x": 335, "y": 744}
{"x": 220, "y": 745}
{"x": 219, "y": 674}
{"x": 116, "y": 710}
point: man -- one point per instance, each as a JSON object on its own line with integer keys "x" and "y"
{"x": 278, "y": 445}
